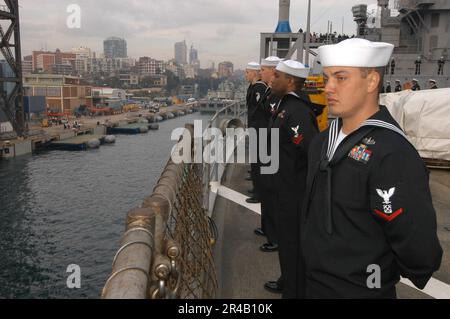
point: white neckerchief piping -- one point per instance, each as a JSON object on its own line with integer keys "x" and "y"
{"x": 334, "y": 133}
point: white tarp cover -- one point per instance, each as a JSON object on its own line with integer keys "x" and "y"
{"x": 425, "y": 118}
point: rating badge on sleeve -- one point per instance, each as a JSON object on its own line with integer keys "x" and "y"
{"x": 298, "y": 138}
{"x": 388, "y": 212}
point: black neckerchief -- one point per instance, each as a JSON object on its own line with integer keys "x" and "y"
{"x": 273, "y": 115}
{"x": 266, "y": 98}
{"x": 261, "y": 98}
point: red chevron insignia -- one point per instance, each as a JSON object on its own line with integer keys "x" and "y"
{"x": 297, "y": 140}
{"x": 389, "y": 217}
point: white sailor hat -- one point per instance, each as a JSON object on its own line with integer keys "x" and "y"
{"x": 253, "y": 66}
{"x": 415, "y": 80}
{"x": 293, "y": 68}
{"x": 432, "y": 80}
{"x": 271, "y": 61}
{"x": 356, "y": 53}
{"x": 397, "y": 81}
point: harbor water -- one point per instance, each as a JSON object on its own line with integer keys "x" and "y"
{"x": 61, "y": 208}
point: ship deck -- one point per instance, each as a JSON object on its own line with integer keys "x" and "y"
{"x": 243, "y": 268}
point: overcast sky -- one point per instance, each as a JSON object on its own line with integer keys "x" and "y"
{"x": 220, "y": 29}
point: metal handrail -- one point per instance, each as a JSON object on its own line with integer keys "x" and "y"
{"x": 224, "y": 109}
{"x": 210, "y": 169}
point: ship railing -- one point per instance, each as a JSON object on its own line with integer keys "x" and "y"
{"x": 231, "y": 115}
{"x": 166, "y": 251}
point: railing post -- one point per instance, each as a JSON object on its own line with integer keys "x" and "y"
{"x": 161, "y": 207}
{"x": 206, "y": 174}
{"x": 130, "y": 276}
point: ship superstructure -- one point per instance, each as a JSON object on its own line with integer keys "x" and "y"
{"x": 420, "y": 31}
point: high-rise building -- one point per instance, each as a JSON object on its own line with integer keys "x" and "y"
{"x": 83, "y": 53}
{"x": 181, "y": 52}
{"x": 114, "y": 47}
{"x": 27, "y": 64}
{"x": 194, "y": 62}
{"x": 65, "y": 63}
{"x": 189, "y": 71}
{"x": 226, "y": 69}
{"x": 80, "y": 66}
{"x": 44, "y": 61}
{"x": 62, "y": 69}
{"x": 149, "y": 66}
{"x": 108, "y": 66}
{"x": 175, "y": 68}
{"x": 193, "y": 55}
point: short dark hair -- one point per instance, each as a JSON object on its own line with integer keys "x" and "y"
{"x": 380, "y": 70}
{"x": 298, "y": 82}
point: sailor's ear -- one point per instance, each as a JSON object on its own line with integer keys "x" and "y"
{"x": 291, "y": 80}
{"x": 373, "y": 81}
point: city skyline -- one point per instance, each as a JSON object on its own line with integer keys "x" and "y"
{"x": 227, "y": 31}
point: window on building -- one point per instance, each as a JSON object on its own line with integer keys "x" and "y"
{"x": 40, "y": 91}
{"x": 434, "y": 41}
{"x": 420, "y": 44}
{"x": 53, "y": 91}
{"x": 435, "y": 20}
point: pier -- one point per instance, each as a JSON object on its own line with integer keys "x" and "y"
{"x": 57, "y": 137}
{"x": 79, "y": 143}
{"x": 134, "y": 128}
